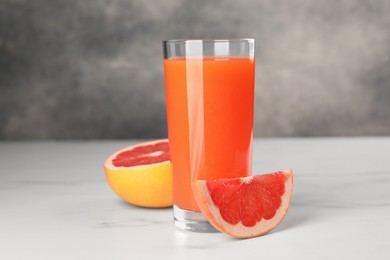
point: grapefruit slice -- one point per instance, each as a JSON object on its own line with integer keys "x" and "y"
{"x": 142, "y": 174}
{"x": 245, "y": 207}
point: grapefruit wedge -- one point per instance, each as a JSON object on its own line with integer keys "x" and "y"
{"x": 142, "y": 174}
{"x": 245, "y": 207}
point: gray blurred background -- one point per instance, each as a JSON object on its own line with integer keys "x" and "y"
{"x": 93, "y": 69}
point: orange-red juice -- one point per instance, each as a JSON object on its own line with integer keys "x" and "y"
{"x": 210, "y": 120}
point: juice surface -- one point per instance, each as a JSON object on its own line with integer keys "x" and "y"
{"x": 210, "y": 120}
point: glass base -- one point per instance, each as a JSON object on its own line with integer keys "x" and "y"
{"x": 192, "y": 221}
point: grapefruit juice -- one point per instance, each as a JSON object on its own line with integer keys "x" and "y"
{"x": 210, "y": 120}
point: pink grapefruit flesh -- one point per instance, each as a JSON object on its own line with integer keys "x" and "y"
{"x": 142, "y": 155}
{"x": 245, "y": 207}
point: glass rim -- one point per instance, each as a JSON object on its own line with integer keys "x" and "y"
{"x": 248, "y": 40}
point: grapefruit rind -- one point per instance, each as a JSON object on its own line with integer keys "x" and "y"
{"x": 212, "y": 213}
{"x": 147, "y": 185}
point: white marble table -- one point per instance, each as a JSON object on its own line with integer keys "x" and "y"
{"x": 55, "y": 204}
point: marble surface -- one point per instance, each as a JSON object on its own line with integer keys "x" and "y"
{"x": 55, "y": 204}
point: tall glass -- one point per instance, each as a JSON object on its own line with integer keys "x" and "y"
{"x": 209, "y": 97}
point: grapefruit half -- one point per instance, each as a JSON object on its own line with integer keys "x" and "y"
{"x": 245, "y": 207}
{"x": 142, "y": 174}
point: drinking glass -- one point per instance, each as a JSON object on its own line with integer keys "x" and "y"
{"x": 209, "y": 87}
